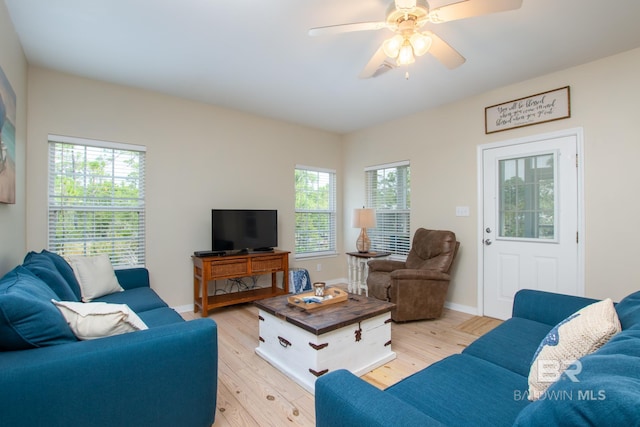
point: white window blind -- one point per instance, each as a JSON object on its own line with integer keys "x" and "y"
{"x": 388, "y": 191}
{"x": 96, "y": 199}
{"x": 315, "y": 233}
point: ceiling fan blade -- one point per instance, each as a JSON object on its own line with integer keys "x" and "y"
{"x": 469, "y": 8}
{"x": 377, "y": 65}
{"x": 345, "y": 28}
{"x": 444, "y": 53}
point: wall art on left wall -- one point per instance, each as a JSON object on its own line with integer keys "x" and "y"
{"x": 7, "y": 141}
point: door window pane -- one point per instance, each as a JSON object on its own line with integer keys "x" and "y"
{"x": 527, "y": 197}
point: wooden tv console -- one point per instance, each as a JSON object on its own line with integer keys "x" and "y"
{"x": 210, "y": 268}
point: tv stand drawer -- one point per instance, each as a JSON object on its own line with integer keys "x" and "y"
{"x": 233, "y": 268}
{"x": 267, "y": 263}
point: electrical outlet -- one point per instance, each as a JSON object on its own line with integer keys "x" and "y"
{"x": 318, "y": 267}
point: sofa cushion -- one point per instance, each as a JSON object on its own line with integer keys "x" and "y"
{"x": 578, "y": 335}
{"x": 629, "y": 311}
{"x": 623, "y": 344}
{"x": 343, "y": 399}
{"x": 604, "y": 400}
{"x": 510, "y": 345}
{"x": 66, "y": 271}
{"x": 606, "y": 391}
{"x": 95, "y": 276}
{"x": 93, "y": 320}
{"x": 43, "y": 266}
{"x": 28, "y": 319}
{"x": 139, "y": 299}
{"x": 547, "y": 307}
{"x": 160, "y": 317}
{"x": 464, "y": 390}
{"x": 130, "y": 278}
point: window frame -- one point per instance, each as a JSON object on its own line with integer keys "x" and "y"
{"x": 89, "y": 206}
{"x": 331, "y": 250}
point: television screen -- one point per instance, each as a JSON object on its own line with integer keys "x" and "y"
{"x": 244, "y": 229}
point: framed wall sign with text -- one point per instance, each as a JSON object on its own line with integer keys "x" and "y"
{"x": 540, "y": 108}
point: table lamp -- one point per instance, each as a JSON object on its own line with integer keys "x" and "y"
{"x": 364, "y": 218}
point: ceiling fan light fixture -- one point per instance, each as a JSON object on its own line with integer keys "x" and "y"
{"x": 421, "y": 43}
{"x": 405, "y": 4}
{"x": 391, "y": 47}
{"x": 405, "y": 56}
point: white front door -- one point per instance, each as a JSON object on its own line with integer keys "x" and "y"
{"x": 530, "y": 222}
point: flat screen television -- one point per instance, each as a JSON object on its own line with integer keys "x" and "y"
{"x": 244, "y": 229}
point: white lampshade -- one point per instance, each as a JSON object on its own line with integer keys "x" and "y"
{"x": 364, "y": 218}
{"x": 421, "y": 43}
{"x": 405, "y": 57}
{"x": 391, "y": 47}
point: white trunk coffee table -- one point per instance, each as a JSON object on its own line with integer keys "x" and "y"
{"x": 354, "y": 335}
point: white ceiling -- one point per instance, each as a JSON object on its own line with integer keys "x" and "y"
{"x": 255, "y": 56}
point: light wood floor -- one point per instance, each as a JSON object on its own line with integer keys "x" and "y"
{"x": 253, "y": 393}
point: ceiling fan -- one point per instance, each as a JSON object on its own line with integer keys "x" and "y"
{"x": 406, "y": 18}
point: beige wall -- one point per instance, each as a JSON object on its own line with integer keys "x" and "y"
{"x": 442, "y": 147}
{"x": 198, "y": 157}
{"x": 12, "y": 217}
{"x": 201, "y": 156}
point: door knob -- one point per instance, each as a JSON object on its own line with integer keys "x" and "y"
{"x": 488, "y": 242}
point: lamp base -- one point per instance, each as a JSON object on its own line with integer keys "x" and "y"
{"x": 363, "y": 244}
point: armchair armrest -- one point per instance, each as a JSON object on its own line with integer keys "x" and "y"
{"x": 342, "y": 399}
{"x": 409, "y": 274}
{"x": 164, "y": 376}
{"x": 547, "y": 307}
{"x": 386, "y": 265}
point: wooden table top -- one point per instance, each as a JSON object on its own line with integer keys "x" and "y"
{"x": 369, "y": 254}
{"x": 355, "y": 309}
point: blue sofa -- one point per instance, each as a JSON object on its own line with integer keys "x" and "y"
{"x": 163, "y": 376}
{"x": 486, "y": 385}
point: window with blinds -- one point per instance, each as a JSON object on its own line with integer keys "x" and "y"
{"x": 96, "y": 199}
{"x": 315, "y": 232}
{"x": 388, "y": 191}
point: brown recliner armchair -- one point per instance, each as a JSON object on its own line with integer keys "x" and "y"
{"x": 418, "y": 287}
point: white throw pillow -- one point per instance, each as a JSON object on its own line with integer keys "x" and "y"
{"x": 99, "y": 319}
{"x": 576, "y": 336}
{"x": 95, "y": 275}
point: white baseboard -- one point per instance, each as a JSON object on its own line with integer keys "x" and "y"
{"x": 462, "y": 308}
{"x": 184, "y": 308}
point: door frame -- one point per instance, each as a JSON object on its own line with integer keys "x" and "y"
{"x": 578, "y": 133}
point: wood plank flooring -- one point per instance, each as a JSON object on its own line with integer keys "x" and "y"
{"x": 253, "y": 393}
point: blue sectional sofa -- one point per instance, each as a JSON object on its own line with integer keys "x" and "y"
{"x": 162, "y": 376}
{"x": 486, "y": 385}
